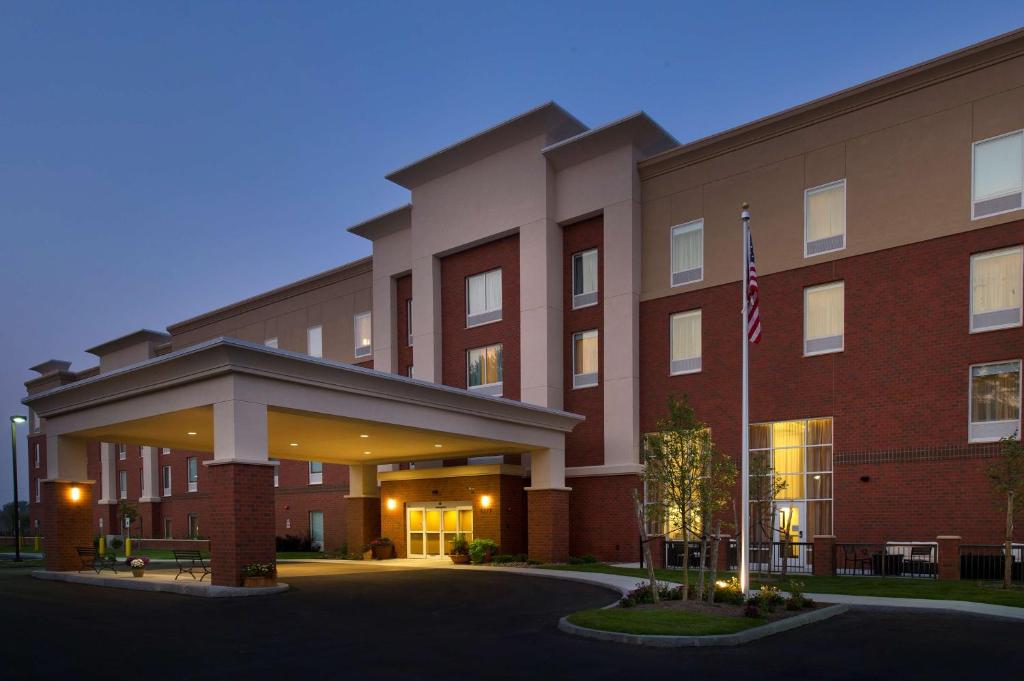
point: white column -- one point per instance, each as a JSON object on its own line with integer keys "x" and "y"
{"x": 540, "y": 303}
{"x": 239, "y": 432}
{"x": 621, "y": 341}
{"x": 384, "y": 320}
{"x": 362, "y": 481}
{"x": 426, "y": 322}
{"x": 108, "y": 473}
{"x": 150, "y": 475}
{"x": 547, "y": 469}
{"x": 66, "y": 458}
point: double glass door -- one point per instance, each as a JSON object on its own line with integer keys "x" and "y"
{"x": 432, "y": 529}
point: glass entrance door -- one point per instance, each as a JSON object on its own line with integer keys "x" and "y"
{"x": 432, "y": 529}
{"x": 789, "y": 527}
{"x": 316, "y": 530}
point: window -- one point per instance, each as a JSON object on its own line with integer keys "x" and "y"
{"x": 193, "y": 473}
{"x": 316, "y": 530}
{"x": 584, "y": 359}
{"x": 363, "y": 334}
{"x": 122, "y": 484}
{"x": 315, "y": 341}
{"x": 995, "y": 401}
{"x": 193, "y": 525}
{"x": 483, "y": 369}
{"x": 685, "y": 329}
{"x": 316, "y": 473}
{"x": 164, "y": 451}
{"x": 408, "y": 320}
{"x": 584, "y": 278}
{"x": 39, "y": 490}
{"x": 167, "y": 529}
{"x": 270, "y": 342}
{"x": 823, "y": 319}
{"x": 483, "y": 298}
{"x": 410, "y": 371}
{"x": 995, "y": 289}
{"x": 998, "y": 176}
{"x": 38, "y": 457}
{"x": 122, "y": 452}
{"x": 277, "y": 477}
{"x": 166, "y": 476}
{"x": 825, "y": 218}
{"x": 687, "y": 250}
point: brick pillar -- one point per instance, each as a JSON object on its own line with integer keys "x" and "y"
{"x": 67, "y": 523}
{"x": 241, "y": 522}
{"x": 548, "y": 525}
{"x": 949, "y": 557}
{"x": 657, "y": 544}
{"x": 149, "y": 520}
{"x": 824, "y": 555}
{"x": 362, "y": 522}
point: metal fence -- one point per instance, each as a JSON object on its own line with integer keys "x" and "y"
{"x": 891, "y": 559}
{"x": 765, "y": 557}
{"x": 987, "y": 561}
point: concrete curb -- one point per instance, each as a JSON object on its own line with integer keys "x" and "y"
{"x": 189, "y": 588}
{"x": 882, "y": 602}
{"x": 739, "y": 638}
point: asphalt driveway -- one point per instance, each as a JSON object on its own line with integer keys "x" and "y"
{"x": 445, "y": 624}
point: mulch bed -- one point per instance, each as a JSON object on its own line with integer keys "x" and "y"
{"x": 724, "y": 609}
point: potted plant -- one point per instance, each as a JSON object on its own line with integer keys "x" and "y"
{"x": 138, "y": 565}
{"x": 382, "y": 548}
{"x": 481, "y": 550}
{"x": 460, "y": 551}
{"x": 259, "y": 574}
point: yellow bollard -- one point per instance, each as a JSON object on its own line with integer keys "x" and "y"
{"x": 101, "y": 549}
{"x": 128, "y": 547}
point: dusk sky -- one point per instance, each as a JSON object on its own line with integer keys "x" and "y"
{"x": 158, "y": 162}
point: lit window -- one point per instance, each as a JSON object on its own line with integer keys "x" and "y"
{"x": 122, "y": 452}
{"x": 315, "y": 341}
{"x": 483, "y": 368}
{"x": 995, "y": 289}
{"x": 685, "y": 329}
{"x": 166, "y": 475}
{"x": 483, "y": 298}
{"x": 584, "y": 278}
{"x": 363, "y": 334}
{"x": 823, "y": 318}
{"x": 39, "y": 490}
{"x": 584, "y": 359}
{"x": 687, "y": 253}
{"x": 38, "y": 457}
{"x": 122, "y": 484}
{"x": 408, "y": 320}
{"x": 270, "y": 342}
{"x": 193, "y": 474}
{"x": 998, "y": 181}
{"x": 316, "y": 472}
{"x": 825, "y": 218}
{"x": 995, "y": 401}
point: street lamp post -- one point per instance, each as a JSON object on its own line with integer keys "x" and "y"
{"x": 15, "y": 420}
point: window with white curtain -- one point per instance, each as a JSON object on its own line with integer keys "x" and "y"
{"x": 166, "y": 475}
{"x": 685, "y": 331}
{"x": 584, "y": 278}
{"x": 193, "y": 473}
{"x": 996, "y": 289}
{"x": 408, "y": 320}
{"x": 362, "y": 324}
{"x": 316, "y": 472}
{"x": 277, "y": 472}
{"x": 484, "y": 370}
{"x": 825, "y": 218}
{"x": 270, "y": 342}
{"x": 122, "y": 452}
{"x": 584, "y": 359}
{"x": 315, "y": 341}
{"x": 995, "y": 401}
{"x": 687, "y": 253}
{"x": 122, "y": 484}
{"x": 483, "y": 298}
{"x": 823, "y": 318}
{"x": 998, "y": 177}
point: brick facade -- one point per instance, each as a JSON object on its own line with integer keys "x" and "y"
{"x": 362, "y": 522}
{"x": 66, "y": 523}
{"x": 602, "y": 519}
{"x": 547, "y": 531}
{"x": 403, "y": 294}
{"x": 241, "y": 523}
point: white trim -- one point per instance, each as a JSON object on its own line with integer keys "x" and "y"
{"x": 583, "y": 381}
{"x": 683, "y": 228}
{"x": 817, "y": 190}
{"x": 686, "y": 313}
{"x": 408, "y": 321}
{"x": 819, "y": 287}
{"x": 607, "y": 469}
{"x": 970, "y": 290}
{"x": 970, "y": 401}
{"x": 974, "y": 199}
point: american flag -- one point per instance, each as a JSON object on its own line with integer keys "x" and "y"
{"x": 753, "y": 311}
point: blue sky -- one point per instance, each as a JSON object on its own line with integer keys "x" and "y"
{"x": 159, "y": 161}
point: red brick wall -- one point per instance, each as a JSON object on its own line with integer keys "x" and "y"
{"x": 362, "y": 522}
{"x": 65, "y": 524}
{"x": 456, "y": 338}
{"x": 601, "y": 517}
{"x": 295, "y": 498}
{"x": 35, "y": 509}
{"x": 547, "y": 531}
{"x": 901, "y": 382}
{"x": 504, "y": 522}
{"x": 585, "y": 445}
{"x": 241, "y": 523}
{"x": 403, "y": 293}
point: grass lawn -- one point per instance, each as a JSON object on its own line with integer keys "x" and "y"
{"x": 25, "y": 563}
{"x": 166, "y": 554}
{"x": 892, "y": 587}
{"x": 665, "y": 622}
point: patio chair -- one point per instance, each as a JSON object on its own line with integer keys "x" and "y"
{"x": 856, "y": 559}
{"x": 91, "y": 560}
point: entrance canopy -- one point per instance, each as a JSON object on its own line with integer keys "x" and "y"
{"x": 248, "y": 402}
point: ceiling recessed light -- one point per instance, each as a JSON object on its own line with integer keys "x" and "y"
{"x": 438, "y": 445}
{"x": 293, "y": 444}
{"x": 192, "y": 432}
{"x": 367, "y": 452}
{"x": 363, "y": 435}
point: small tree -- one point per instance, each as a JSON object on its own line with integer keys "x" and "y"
{"x": 129, "y": 512}
{"x": 765, "y": 489}
{"x": 1007, "y": 476}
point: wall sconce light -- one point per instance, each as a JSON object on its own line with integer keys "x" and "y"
{"x": 391, "y": 504}
{"x": 75, "y": 494}
{"x": 485, "y": 501}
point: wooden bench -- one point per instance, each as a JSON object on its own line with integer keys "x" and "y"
{"x": 91, "y": 560}
{"x": 190, "y": 560}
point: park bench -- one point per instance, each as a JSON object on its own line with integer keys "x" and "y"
{"x": 92, "y": 560}
{"x": 190, "y": 560}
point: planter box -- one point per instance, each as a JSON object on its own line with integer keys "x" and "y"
{"x": 459, "y": 558}
{"x": 255, "y": 582}
{"x": 383, "y": 552}
{"x": 138, "y": 572}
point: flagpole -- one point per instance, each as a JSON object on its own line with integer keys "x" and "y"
{"x": 745, "y": 410}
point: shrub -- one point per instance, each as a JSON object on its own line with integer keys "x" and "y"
{"x": 460, "y": 547}
{"x": 510, "y": 558}
{"x": 797, "y": 600}
{"x": 751, "y": 609}
{"x": 116, "y": 543}
{"x": 292, "y": 542}
{"x": 259, "y": 570}
{"x": 582, "y": 560}
{"x": 481, "y": 549}
{"x": 642, "y": 594}
{"x": 728, "y": 591}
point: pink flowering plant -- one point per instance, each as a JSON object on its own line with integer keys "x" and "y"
{"x": 137, "y": 561}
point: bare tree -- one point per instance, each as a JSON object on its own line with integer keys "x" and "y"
{"x": 645, "y": 546}
{"x": 1007, "y": 476}
{"x": 765, "y": 489}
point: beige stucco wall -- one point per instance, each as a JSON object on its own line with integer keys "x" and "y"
{"x": 907, "y": 162}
